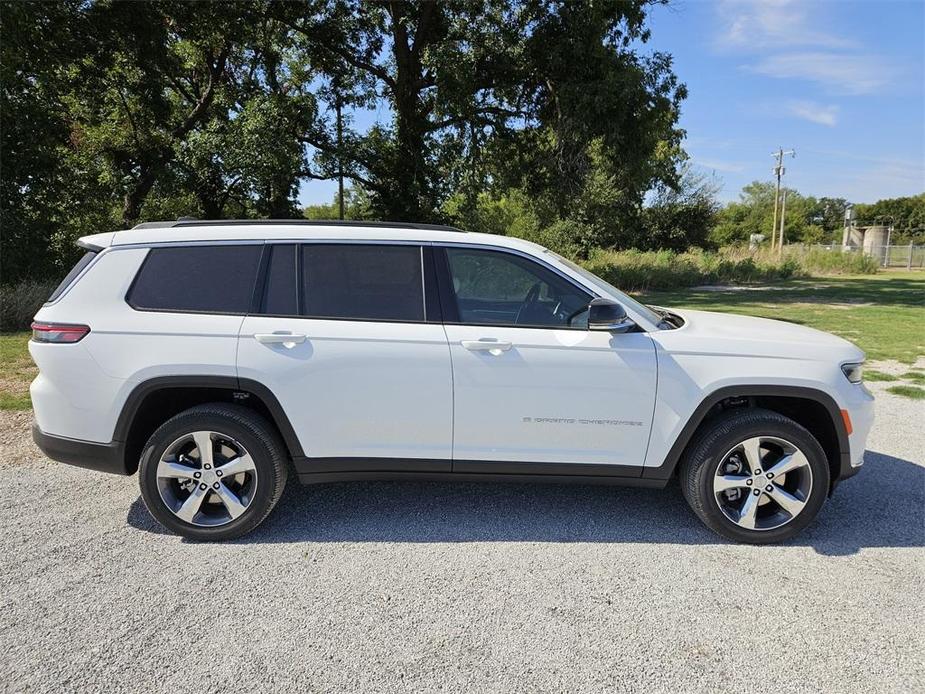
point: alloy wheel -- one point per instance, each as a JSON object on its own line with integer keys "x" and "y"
{"x": 763, "y": 483}
{"x": 206, "y": 478}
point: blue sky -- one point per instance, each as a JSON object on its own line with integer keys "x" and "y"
{"x": 842, "y": 82}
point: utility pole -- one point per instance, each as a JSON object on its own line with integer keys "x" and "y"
{"x": 778, "y": 172}
{"x": 783, "y": 216}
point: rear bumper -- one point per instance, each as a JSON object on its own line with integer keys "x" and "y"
{"x": 103, "y": 457}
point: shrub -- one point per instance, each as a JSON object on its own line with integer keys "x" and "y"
{"x": 637, "y": 270}
{"x": 19, "y": 303}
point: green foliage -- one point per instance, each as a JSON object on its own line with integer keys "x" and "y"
{"x": 639, "y": 270}
{"x": 356, "y": 206}
{"x": 907, "y": 215}
{"x": 807, "y": 219}
{"x": 20, "y": 302}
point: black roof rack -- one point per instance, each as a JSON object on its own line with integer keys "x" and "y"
{"x": 187, "y": 222}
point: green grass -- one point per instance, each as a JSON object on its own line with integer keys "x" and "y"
{"x": 916, "y": 377}
{"x": 913, "y": 392}
{"x": 16, "y": 371}
{"x": 884, "y": 314}
{"x": 874, "y": 375}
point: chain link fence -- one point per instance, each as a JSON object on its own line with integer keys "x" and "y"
{"x": 909, "y": 256}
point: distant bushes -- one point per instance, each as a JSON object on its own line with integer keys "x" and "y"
{"x": 19, "y": 302}
{"x": 638, "y": 270}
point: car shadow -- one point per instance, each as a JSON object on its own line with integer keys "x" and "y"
{"x": 883, "y": 506}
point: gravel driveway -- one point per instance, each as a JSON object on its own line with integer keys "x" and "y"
{"x": 449, "y": 587}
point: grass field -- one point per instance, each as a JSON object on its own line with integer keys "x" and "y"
{"x": 883, "y": 314}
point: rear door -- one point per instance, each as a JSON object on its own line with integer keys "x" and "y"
{"x": 532, "y": 383}
{"x": 348, "y": 338}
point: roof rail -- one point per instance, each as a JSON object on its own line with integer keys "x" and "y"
{"x": 188, "y": 222}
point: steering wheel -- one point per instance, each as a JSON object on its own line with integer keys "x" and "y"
{"x": 532, "y": 295}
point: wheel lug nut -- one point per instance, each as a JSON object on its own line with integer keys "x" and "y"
{"x": 218, "y": 473}
{"x": 207, "y": 466}
{"x": 197, "y": 475}
{"x": 215, "y": 486}
{"x": 203, "y": 486}
{"x": 758, "y": 471}
{"x": 748, "y": 482}
{"x": 769, "y": 488}
{"x": 757, "y": 492}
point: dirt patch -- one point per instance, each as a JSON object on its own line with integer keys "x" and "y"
{"x": 16, "y": 446}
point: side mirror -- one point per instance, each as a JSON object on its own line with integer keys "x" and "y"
{"x": 606, "y": 314}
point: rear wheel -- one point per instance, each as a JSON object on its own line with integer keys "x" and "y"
{"x": 213, "y": 472}
{"x": 756, "y": 476}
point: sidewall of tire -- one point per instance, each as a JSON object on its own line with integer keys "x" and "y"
{"x": 706, "y": 456}
{"x": 244, "y": 427}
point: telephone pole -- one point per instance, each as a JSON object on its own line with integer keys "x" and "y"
{"x": 778, "y": 172}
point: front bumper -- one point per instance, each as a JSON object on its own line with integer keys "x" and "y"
{"x": 103, "y": 457}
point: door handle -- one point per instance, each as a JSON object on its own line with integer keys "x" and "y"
{"x": 493, "y": 346}
{"x": 288, "y": 340}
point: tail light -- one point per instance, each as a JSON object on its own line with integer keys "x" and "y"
{"x": 59, "y": 333}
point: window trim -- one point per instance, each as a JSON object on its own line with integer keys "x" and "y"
{"x": 210, "y": 244}
{"x": 448, "y": 294}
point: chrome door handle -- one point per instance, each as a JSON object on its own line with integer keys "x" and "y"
{"x": 493, "y": 346}
{"x": 288, "y": 340}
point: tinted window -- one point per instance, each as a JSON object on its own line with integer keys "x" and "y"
{"x": 374, "y": 282}
{"x": 76, "y": 270}
{"x": 282, "y": 287}
{"x": 504, "y": 289}
{"x": 218, "y": 279}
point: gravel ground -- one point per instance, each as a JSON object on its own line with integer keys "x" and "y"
{"x": 449, "y": 587}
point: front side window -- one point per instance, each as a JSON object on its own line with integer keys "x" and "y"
{"x": 207, "y": 279}
{"x": 496, "y": 288}
{"x": 362, "y": 282}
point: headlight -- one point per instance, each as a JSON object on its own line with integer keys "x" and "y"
{"x": 853, "y": 372}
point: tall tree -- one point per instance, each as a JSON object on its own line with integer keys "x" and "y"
{"x": 533, "y": 81}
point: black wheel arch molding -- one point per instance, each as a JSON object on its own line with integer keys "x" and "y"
{"x": 706, "y": 408}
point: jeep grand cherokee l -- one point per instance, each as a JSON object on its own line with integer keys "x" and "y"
{"x": 217, "y": 358}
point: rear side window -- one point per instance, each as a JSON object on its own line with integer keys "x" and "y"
{"x": 76, "y": 270}
{"x": 355, "y": 281}
{"x": 209, "y": 279}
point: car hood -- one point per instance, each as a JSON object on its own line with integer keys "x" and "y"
{"x": 728, "y": 333}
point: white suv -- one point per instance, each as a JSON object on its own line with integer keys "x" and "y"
{"x": 215, "y": 357}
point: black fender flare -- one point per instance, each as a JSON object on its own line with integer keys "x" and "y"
{"x": 668, "y": 466}
{"x": 244, "y": 385}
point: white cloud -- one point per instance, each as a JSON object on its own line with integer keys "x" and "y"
{"x": 848, "y": 74}
{"x": 757, "y": 24}
{"x": 813, "y": 112}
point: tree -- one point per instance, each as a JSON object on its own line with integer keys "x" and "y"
{"x": 530, "y": 84}
{"x": 149, "y": 79}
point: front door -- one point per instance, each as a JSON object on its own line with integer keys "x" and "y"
{"x": 344, "y": 341}
{"x": 531, "y": 383}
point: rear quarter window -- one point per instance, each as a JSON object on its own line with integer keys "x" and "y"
{"x": 69, "y": 278}
{"x": 204, "y": 279}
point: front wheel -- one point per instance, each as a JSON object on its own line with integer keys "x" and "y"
{"x": 755, "y": 476}
{"x": 213, "y": 472}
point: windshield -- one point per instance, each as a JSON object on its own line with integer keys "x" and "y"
{"x": 608, "y": 288}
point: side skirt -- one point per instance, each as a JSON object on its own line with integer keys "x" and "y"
{"x": 324, "y": 470}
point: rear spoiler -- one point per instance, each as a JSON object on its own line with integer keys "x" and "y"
{"x": 96, "y": 242}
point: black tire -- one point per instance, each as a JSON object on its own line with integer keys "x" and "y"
{"x": 240, "y": 424}
{"x": 707, "y": 452}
